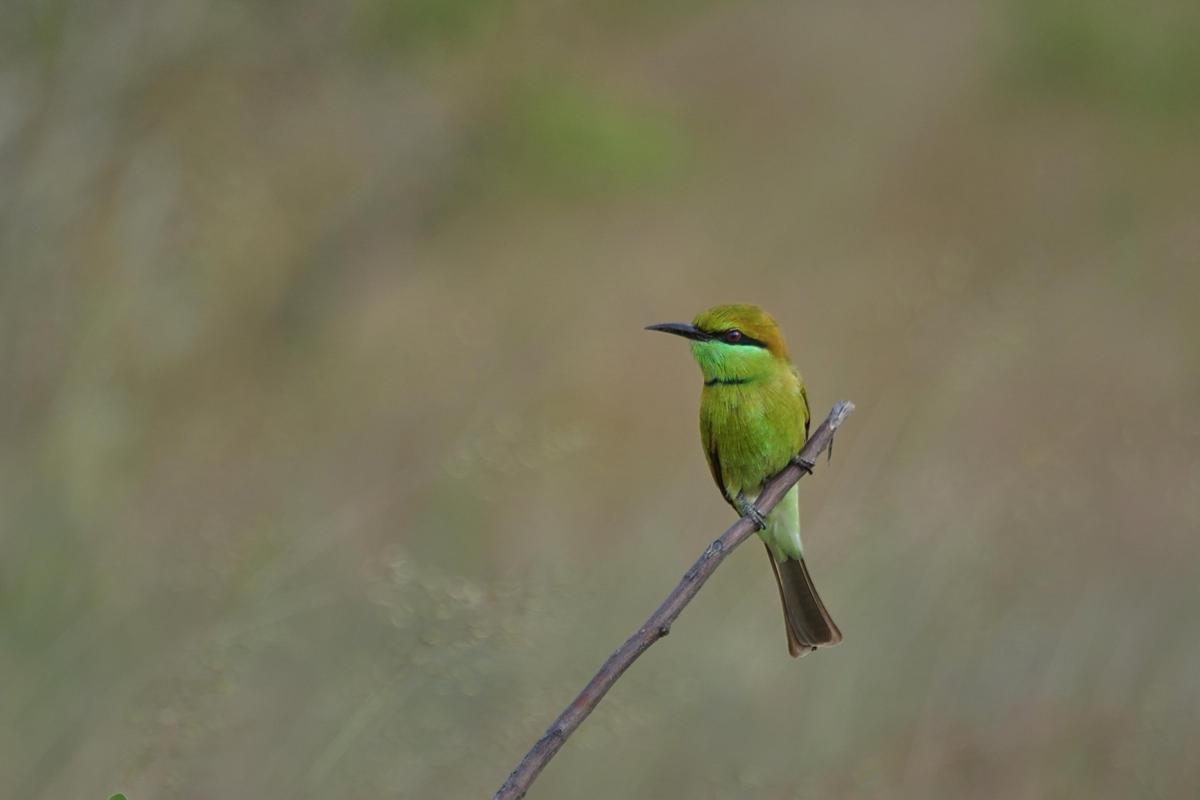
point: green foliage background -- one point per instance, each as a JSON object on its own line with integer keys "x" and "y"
{"x": 333, "y": 457}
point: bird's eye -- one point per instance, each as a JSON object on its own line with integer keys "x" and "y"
{"x": 733, "y": 337}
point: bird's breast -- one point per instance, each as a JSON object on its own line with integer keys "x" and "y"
{"x": 751, "y": 432}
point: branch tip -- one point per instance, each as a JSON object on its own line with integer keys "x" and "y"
{"x": 840, "y": 411}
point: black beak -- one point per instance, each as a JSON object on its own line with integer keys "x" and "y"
{"x": 680, "y": 329}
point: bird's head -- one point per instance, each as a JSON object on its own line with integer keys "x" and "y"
{"x": 732, "y": 344}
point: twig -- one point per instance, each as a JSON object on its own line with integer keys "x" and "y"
{"x": 659, "y": 624}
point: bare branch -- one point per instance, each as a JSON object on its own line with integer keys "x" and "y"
{"x": 659, "y": 624}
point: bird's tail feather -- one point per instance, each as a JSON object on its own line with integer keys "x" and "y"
{"x": 808, "y": 624}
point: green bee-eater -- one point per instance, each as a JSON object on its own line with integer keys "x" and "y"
{"x": 754, "y": 419}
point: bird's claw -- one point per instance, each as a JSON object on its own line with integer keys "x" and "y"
{"x": 749, "y": 510}
{"x": 804, "y": 464}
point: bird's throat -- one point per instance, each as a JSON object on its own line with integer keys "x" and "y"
{"x": 729, "y": 365}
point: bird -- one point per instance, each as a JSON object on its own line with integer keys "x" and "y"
{"x": 754, "y": 419}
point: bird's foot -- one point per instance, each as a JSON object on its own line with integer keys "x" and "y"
{"x": 749, "y": 510}
{"x": 804, "y": 464}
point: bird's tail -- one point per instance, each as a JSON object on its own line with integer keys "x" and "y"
{"x": 808, "y": 624}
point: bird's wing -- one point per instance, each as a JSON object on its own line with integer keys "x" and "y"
{"x": 807, "y": 412}
{"x": 713, "y": 456}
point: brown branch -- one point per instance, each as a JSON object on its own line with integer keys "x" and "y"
{"x": 659, "y": 624}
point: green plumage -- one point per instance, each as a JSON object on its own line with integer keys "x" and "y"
{"x": 750, "y": 430}
{"x": 754, "y": 419}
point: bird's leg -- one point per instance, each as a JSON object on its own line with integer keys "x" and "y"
{"x": 804, "y": 464}
{"x": 749, "y": 510}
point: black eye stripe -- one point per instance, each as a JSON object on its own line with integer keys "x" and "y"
{"x": 745, "y": 341}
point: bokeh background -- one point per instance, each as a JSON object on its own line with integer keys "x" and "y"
{"x": 334, "y": 458}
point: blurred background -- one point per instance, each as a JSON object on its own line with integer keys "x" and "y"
{"x": 334, "y": 458}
